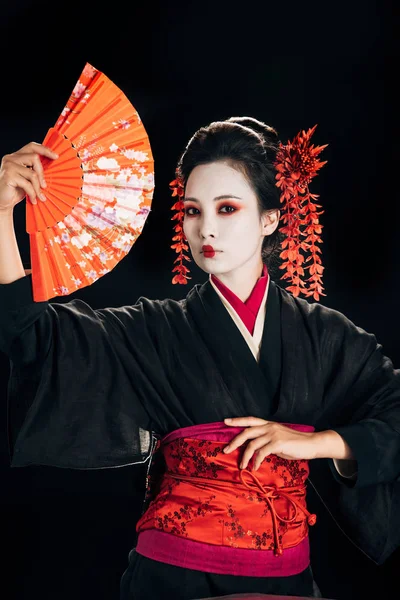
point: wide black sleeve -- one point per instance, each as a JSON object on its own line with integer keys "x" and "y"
{"x": 91, "y": 380}
{"x": 25, "y": 335}
{"x": 362, "y": 389}
{"x": 362, "y": 403}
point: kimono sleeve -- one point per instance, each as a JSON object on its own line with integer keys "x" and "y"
{"x": 362, "y": 401}
{"x": 82, "y": 378}
{"x": 363, "y": 388}
{"x": 24, "y": 332}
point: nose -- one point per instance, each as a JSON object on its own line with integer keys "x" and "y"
{"x": 208, "y": 227}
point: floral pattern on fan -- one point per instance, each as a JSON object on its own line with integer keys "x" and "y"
{"x": 99, "y": 190}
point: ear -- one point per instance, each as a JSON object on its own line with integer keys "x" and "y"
{"x": 270, "y": 221}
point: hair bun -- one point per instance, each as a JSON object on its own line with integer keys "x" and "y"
{"x": 266, "y": 131}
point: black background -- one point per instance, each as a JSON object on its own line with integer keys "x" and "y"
{"x": 66, "y": 534}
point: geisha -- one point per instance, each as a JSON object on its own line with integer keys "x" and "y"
{"x": 228, "y": 394}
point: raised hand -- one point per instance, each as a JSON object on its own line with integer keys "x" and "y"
{"x": 21, "y": 174}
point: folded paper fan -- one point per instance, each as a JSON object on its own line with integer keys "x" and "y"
{"x": 99, "y": 191}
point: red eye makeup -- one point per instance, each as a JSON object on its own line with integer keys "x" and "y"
{"x": 225, "y": 209}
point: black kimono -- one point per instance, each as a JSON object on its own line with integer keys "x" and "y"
{"x": 97, "y": 384}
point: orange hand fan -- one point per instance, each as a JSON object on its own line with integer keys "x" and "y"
{"x": 99, "y": 191}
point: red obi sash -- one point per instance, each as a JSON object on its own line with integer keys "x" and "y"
{"x": 205, "y": 506}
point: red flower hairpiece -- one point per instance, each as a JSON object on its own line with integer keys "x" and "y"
{"x": 297, "y": 164}
{"x": 179, "y": 238}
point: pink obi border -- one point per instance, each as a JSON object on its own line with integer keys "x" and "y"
{"x": 222, "y": 560}
{"x": 218, "y": 431}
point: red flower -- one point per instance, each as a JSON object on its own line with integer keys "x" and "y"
{"x": 297, "y": 164}
{"x": 180, "y": 246}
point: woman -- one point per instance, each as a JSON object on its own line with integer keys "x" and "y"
{"x": 115, "y": 386}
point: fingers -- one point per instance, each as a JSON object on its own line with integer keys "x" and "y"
{"x": 32, "y": 191}
{"x": 35, "y": 148}
{"x": 245, "y": 422}
{"x": 29, "y": 156}
{"x": 251, "y": 449}
{"x": 260, "y": 455}
{"x": 23, "y": 170}
{"x": 23, "y": 179}
{"x": 255, "y": 431}
{"x": 241, "y": 438}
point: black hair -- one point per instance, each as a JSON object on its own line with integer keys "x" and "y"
{"x": 248, "y": 145}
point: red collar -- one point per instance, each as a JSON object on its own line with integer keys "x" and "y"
{"x": 248, "y": 310}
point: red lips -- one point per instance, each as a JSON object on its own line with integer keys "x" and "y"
{"x": 208, "y": 251}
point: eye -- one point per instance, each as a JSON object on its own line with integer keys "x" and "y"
{"x": 229, "y": 209}
{"x": 188, "y": 211}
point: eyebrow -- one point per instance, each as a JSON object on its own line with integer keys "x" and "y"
{"x": 223, "y": 197}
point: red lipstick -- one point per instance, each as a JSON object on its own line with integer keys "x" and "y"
{"x": 208, "y": 251}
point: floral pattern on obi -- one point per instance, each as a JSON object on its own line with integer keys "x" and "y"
{"x": 204, "y": 496}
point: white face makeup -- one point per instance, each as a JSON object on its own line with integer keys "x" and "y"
{"x": 221, "y": 211}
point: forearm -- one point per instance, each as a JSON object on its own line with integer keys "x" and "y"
{"x": 11, "y": 267}
{"x": 329, "y": 444}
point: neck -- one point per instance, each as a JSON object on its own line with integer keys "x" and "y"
{"x": 242, "y": 281}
